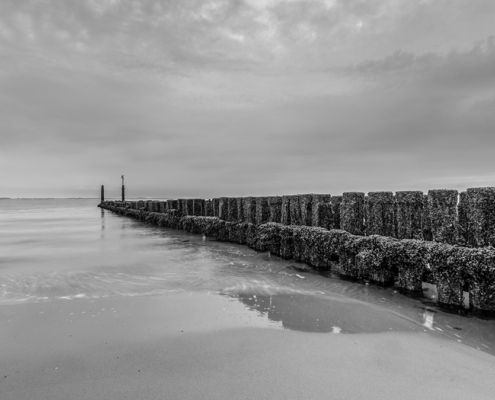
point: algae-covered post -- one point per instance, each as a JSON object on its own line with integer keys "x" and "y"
{"x": 479, "y": 272}
{"x": 240, "y": 209}
{"x": 190, "y": 207}
{"x": 336, "y": 201}
{"x": 352, "y": 212}
{"x": 172, "y": 205}
{"x": 181, "y": 207}
{"x": 123, "y": 188}
{"x": 285, "y": 211}
{"x": 223, "y": 208}
{"x": 286, "y": 241}
{"x": 442, "y": 215}
{"x": 409, "y": 214}
{"x": 380, "y": 214}
{"x": 324, "y": 218}
{"x": 262, "y": 210}
{"x": 198, "y": 207}
{"x": 268, "y": 238}
{"x": 447, "y": 273}
{"x": 295, "y": 210}
{"x": 427, "y": 233}
{"x": 232, "y": 214}
{"x": 306, "y": 204}
{"x": 481, "y": 216}
{"x": 250, "y": 210}
{"x": 463, "y": 234}
{"x": 208, "y": 208}
{"x": 321, "y": 210}
{"x": 275, "y": 203}
{"x": 215, "y": 205}
{"x": 102, "y": 193}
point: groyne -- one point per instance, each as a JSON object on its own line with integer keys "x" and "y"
{"x": 405, "y": 238}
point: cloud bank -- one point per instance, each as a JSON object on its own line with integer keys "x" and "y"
{"x": 208, "y": 98}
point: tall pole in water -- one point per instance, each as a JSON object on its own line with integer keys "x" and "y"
{"x": 102, "y": 193}
{"x": 123, "y": 189}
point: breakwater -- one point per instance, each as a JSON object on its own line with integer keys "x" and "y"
{"x": 407, "y": 238}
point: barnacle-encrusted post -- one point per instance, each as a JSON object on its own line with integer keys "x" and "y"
{"x": 352, "y": 213}
{"x": 380, "y": 214}
{"x": 481, "y": 216}
{"x": 442, "y": 215}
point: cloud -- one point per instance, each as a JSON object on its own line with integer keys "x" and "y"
{"x": 193, "y": 98}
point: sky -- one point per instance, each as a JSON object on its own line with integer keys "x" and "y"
{"x": 192, "y": 98}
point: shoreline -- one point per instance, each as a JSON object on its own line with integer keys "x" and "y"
{"x": 209, "y": 346}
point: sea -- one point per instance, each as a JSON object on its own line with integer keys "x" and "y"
{"x": 70, "y": 250}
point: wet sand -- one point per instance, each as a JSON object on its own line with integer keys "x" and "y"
{"x": 213, "y": 347}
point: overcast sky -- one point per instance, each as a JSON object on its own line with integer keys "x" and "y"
{"x": 245, "y": 97}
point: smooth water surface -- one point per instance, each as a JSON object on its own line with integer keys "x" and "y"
{"x": 68, "y": 249}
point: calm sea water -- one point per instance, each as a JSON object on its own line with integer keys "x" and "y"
{"x": 68, "y": 249}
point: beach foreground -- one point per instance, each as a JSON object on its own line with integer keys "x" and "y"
{"x": 212, "y": 347}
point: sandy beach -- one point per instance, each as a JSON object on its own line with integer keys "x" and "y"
{"x": 211, "y": 347}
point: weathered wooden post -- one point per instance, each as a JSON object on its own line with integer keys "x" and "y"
{"x": 463, "y": 234}
{"x": 322, "y": 210}
{"x": 442, "y": 215}
{"x": 215, "y": 205}
{"x": 232, "y": 214}
{"x": 410, "y": 214}
{"x": 285, "y": 210}
{"x": 336, "y": 201}
{"x": 352, "y": 213}
{"x": 223, "y": 208}
{"x": 123, "y": 189}
{"x": 275, "y": 205}
{"x": 189, "y": 207}
{"x": 262, "y": 210}
{"x": 295, "y": 210}
{"x": 379, "y": 214}
{"x": 306, "y": 209}
{"x": 102, "y": 194}
{"x": 198, "y": 207}
{"x": 208, "y": 208}
{"x": 250, "y": 209}
{"x": 240, "y": 209}
{"x": 481, "y": 216}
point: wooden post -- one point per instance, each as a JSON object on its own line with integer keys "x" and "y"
{"x": 352, "y": 213}
{"x": 123, "y": 189}
{"x": 102, "y": 193}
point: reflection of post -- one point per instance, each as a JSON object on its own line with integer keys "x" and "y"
{"x": 102, "y": 193}
{"x": 102, "y": 234}
{"x": 428, "y": 319}
{"x": 123, "y": 189}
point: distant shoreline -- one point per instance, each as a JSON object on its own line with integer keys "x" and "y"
{"x": 49, "y": 198}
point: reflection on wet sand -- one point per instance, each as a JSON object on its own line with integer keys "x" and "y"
{"x": 311, "y": 313}
{"x": 428, "y": 318}
{"x": 317, "y": 314}
{"x": 102, "y": 235}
